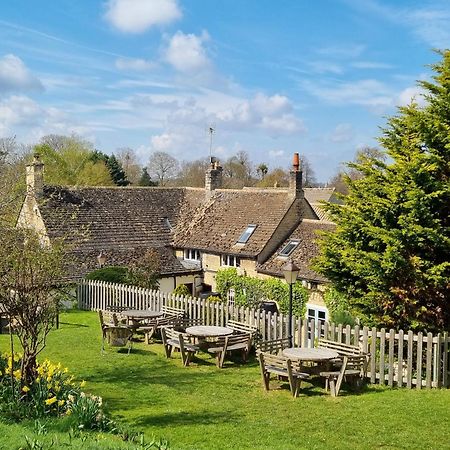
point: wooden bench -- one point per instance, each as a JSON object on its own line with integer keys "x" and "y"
{"x": 341, "y": 349}
{"x": 353, "y": 366}
{"x": 273, "y": 347}
{"x": 235, "y": 342}
{"x": 172, "y": 312}
{"x": 242, "y": 328}
{"x": 113, "y": 332}
{"x": 282, "y": 367}
{"x": 174, "y": 339}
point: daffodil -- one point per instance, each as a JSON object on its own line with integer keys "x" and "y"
{"x": 50, "y": 401}
{"x": 25, "y": 389}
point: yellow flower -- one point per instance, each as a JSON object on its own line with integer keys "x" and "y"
{"x": 50, "y": 401}
{"x": 83, "y": 383}
{"x": 17, "y": 374}
{"x": 61, "y": 402}
{"x": 25, "y": 389}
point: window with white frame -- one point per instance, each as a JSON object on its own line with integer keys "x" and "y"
{"x": 192, "y": 254}
{"x": 230, "y": 261}
{"x": 320, "y": 315}
{"x": 289, "y": 248}
{"x": 245, "y": 236}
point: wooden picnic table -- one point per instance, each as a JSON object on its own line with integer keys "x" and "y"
{"x": 310, "y": 354}
{"x": 208, "y": 331}
{"x": 141, "y": 314}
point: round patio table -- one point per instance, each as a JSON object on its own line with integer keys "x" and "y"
{"x": 205, "y": 331}
{"x": 140, "y": 314}
{"x": 310, "y": 354}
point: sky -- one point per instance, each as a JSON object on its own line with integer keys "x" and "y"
{"x": 271, "y": 77}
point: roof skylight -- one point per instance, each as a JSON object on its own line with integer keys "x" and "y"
{"x": 245, "y": 236}
{"x": 289, "y": 248}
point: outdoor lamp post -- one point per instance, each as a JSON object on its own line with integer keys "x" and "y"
{"x": 290, "y": 272}
{"x": 101, "y": 259}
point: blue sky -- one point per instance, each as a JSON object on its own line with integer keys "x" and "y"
{"x": 273, "y": 77}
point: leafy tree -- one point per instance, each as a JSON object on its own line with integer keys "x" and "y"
{"x": 390, "y": 253}
{"x": 69, "y": 161}
{"x": 277, "y": 177}
{"x": 262, "y": 170}
{"x": 162, "y": 166}
{"x": 145, "y": 179}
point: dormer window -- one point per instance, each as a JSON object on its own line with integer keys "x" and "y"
{"x": 245, "y": 236}
{"x": 289, "y": 248}
{"x": 191, "y": 254}
{"x": 230, "y": 261}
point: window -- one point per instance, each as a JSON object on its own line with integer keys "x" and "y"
{"x": 191, "y": 254}
{"x": 288, "y": 248}
{"x": 230, "y": 260}
{"x": 320, "y": 315}
{"x": 245, "y": 236}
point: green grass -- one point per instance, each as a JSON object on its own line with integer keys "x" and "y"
{"x": 202, "y": 407}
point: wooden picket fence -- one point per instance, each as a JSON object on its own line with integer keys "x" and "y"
{"x": 397, "y": 358}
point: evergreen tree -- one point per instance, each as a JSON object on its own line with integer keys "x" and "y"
{"x": 390, "y": 253}
{"x": 117, "y": 173}
{"x": 145, "y": 179}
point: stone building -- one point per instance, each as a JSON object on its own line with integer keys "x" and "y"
{"x": 195, "y": 232}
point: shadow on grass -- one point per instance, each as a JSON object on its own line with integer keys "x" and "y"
{"x": 73, "y": 325}
{"x": 186, "y": 418}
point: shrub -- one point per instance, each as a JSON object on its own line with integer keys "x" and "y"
{"x": 251, "y": 291}
{"x": 182, "y": 290}
{"x": 114, "y": 274}
{"x": 214, "y": 298}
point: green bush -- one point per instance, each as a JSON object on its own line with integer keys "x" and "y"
{"x": 182, "y": 290}
{"x": 251, "y": 291}
{"x": 338, "y": 306}
{"x": 214, "y": 298}
{"x": 113, "y": 274}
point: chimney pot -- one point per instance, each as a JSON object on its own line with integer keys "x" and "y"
{"x": 296, "y": 162}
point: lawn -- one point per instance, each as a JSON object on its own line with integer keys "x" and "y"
{"x": 202, "y": 407}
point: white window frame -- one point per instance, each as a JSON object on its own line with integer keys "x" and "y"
{"x": 293, "y": 242}
{"x": 230, "y": 261}
{"x": 192, "y": 254}
{"x": 248, "y": 231}
{"x": 317, "y": 309}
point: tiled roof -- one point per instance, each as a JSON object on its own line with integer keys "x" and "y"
{"x": 306, "y": 232}
{"x": 316, "y": 195}
{"x": 119, "y": 221}
{"x": 218, "y": 224}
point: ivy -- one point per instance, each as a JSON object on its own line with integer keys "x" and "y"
{"x": 251, "y": 291}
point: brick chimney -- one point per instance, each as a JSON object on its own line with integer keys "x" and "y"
{"x": 213, "y": 178}
{"x": 295, "y": 178}
{"x": 35, "y": 177}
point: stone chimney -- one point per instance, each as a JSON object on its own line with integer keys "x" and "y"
{"x": 295, "y": 178}
{"x": 213, "y": 179}
{"x": 35, "y": 177}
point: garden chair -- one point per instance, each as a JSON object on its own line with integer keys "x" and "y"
{"x": 186, "y": 322}
{"x": 235, "y": 342}
{"x": 281, "y": 367}
{"x": 353, "y": 366}
{"x": 181, "y": 341}
{"x": 172, "y": 312}
{"x": 115, "y": 334}
{"x": 273, "y": 347}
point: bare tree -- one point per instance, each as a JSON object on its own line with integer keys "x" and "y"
{"x": 130, "y": 164}
{"x": 262, "y": 170}
{"x": 192, "y": 173}
{"x": 29, "y": 276}
{"x": 163, "y": 167}
{"x": 309, "y": 176}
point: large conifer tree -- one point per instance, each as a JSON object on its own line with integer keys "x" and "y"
{"x": 390, "y": 253}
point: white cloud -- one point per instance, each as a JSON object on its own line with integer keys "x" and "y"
{"x": 137, "y": 16}
{"x": 342, "y": 133}
{"x": 276, "y": 153}
{"x": 135, "y": 64}
{"x": 431, "y": 24}
{"x": 414, "y": 93}
{"x": 273, "y": 114}
{"x": 322, "y": 67}
{"x": 15, "y": 76}
{"x": 342, "y": 51}
{"x": 186, "y": 53}
{"x": 370, "y": 93}
{"x": 371, "y": 65}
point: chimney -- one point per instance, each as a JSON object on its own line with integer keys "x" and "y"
{"x": 295, "y": 178}
{"x": 213, "y": 179}
{"x": 35, "y": 177}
